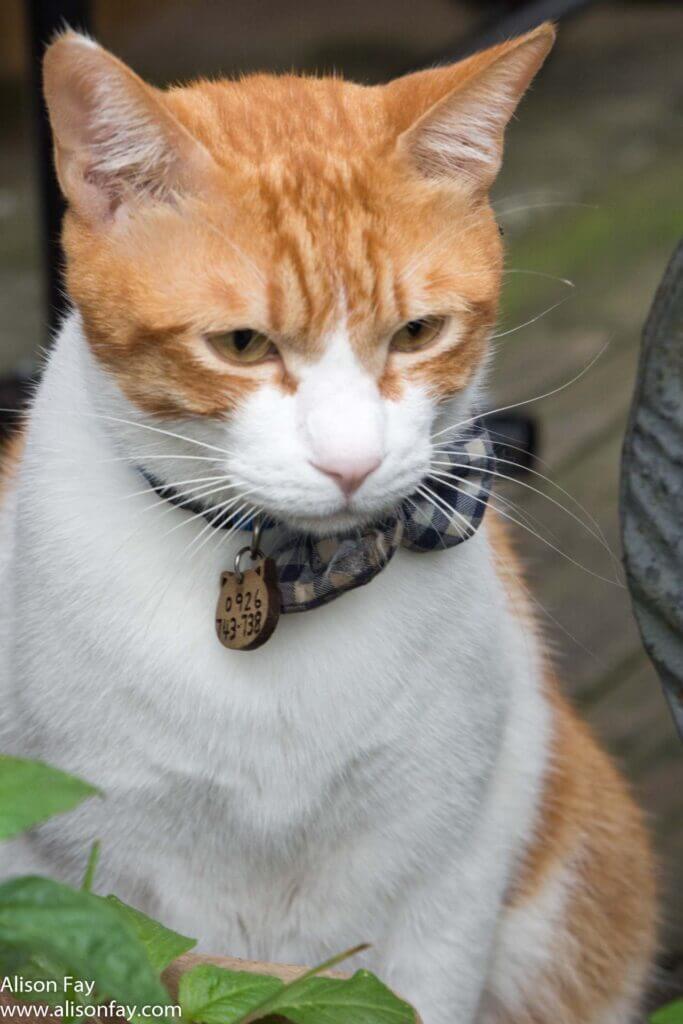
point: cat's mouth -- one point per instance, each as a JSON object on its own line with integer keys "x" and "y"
{"x": 352, "y": 517}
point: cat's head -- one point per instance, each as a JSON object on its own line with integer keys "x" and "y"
{"x": 298, "y": 272}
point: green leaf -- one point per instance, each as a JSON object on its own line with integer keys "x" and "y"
{"x": 213, "y": 995}
{"x": 162, "y": 944}
{"x": 91, "y": 867}
{"x": 31, "y": 970}
{"x": 81, "y": 935}
{"x": 672, "y": 1013}
{"x": 31, "y": 791}
{"x": 362, "y": 999}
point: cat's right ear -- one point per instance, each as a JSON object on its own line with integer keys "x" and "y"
{"x": 115, "y": 139}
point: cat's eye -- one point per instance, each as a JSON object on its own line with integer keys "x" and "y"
{"x": 243, "y": 345}
{"x": 417, "y": 334}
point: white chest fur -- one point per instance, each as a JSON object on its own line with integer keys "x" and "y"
{"x": 276, "y": 802}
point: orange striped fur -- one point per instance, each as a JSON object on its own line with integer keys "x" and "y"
{"x": 304, "y": 200}
{"x": 589, "y": 825}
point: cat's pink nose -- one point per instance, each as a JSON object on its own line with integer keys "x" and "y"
{"x": 348, "y": 474}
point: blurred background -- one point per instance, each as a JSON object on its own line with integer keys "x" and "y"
{"x": 591, "y": 193}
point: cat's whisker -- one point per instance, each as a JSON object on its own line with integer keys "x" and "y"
{"x": 226, "y": 533}
{"x": 134, "y": 458}
{"x": 498, "y": 502}
{"x": 156, "y": 430}
{"x": 225, "y": 508}
{"x": 433, "y": 497}
{"x": 248, "y": 514}
{"x": 173, "y": 485}
{"x": 546, "y": 479}
{"x": 538, "y": 536}
{"x": 137, "y": 457}
{"x": 495, "y": 501}
{"x": 140, "y": 426}
{"x": 535, "y": 490}
{"x": 191, "y": 495}
{"x": 220, "y": 507}
{"x": 526, "y": 401}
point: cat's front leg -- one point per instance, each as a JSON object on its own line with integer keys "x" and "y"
{"x": 437, "y": 951}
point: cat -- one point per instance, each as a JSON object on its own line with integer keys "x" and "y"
{"x": 283, "y": 292}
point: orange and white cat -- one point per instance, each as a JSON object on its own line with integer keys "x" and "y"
{"x": 283, "y": 289}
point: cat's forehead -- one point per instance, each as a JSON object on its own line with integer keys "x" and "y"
{"x": 259, "y": 116}
{"x": 312, "y": 197}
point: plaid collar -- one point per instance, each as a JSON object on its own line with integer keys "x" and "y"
{"x": 312, "y": 571}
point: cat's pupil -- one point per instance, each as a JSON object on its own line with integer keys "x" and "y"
{"x": 243, "y": 339}
{"x": 415, "y": 328}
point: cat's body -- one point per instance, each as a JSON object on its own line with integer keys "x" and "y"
{"x": 394, "y": 768}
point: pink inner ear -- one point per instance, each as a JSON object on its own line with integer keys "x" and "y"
{"x": 461, "y": 133}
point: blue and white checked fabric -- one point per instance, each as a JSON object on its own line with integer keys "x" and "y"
{"x": 312, "y": 571}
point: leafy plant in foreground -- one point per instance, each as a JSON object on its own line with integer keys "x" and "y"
{"x": 112, "y": 952}
{"x": 670, "y": 1014}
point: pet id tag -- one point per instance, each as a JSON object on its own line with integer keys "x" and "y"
{"x": 249, "y": 602}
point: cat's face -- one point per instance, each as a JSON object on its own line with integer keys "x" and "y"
{"x": 298, "y": 272}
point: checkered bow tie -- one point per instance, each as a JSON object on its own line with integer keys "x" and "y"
{"x": 312, "y": 571}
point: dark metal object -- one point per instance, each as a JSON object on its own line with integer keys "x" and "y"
{"x": 45, "y": 18}
{"x": 515, "y": 439}
{"x": 652, "y": 487}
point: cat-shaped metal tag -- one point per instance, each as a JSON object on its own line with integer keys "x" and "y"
{"x": 248, "y": 605}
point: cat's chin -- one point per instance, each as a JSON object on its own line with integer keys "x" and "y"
{"x": 332, "y": 525}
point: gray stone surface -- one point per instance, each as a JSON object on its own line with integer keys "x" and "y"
{"x": 652, "y": 487}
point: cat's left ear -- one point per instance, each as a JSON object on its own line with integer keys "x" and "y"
{"x": 116, "y": 140}
{"x": 451, "y": 120}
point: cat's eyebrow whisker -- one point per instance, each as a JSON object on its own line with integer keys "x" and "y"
{"x": 420, "y": 258}
{"x": 527, "y": 323}
{"x": 236, "y": 249}
{"x": 545, "y": 206}
{"x": 534, "y": 195}
{"x": 558, "y": 504}
{"x": 541, "y": 273}
{"x": 526, "y": 401}
{"x": 544, "y": 540}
